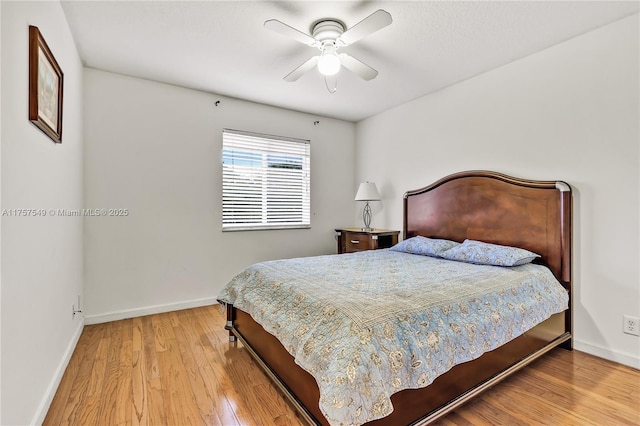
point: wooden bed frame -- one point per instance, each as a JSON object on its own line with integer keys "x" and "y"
{"x": 480, "y": 205}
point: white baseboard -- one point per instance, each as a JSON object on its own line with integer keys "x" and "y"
{"x": 148, "y": 310}
{"x": 43, "y": 408}
{"x": 631, "y": 360}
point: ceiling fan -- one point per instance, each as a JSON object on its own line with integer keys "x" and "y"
{"x": 328, "y": 35}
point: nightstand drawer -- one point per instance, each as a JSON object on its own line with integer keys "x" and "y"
{"x": 354, "y": 239}
{"x": 358, "y": 242}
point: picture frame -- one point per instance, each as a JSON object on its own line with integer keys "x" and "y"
{"x": 45, "y": 87}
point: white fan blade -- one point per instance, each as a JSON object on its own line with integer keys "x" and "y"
{"x": 286, "y": 30}
{"x": 297, "y": 73}
{"x": 358, "y": 67}
{"x": 369, "y": 25}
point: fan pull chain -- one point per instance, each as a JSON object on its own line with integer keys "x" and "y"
{"x": 335, "y": 88}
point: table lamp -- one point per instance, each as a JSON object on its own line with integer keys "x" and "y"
{"x": 367, "y": 192}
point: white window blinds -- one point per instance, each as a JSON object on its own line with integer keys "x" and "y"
{"x": 265, "y": 181}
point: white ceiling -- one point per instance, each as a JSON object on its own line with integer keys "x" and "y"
{"x": 222, "y": 46}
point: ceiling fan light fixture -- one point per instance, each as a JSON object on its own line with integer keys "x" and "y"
{"x": 329, "y": 63}
{"x": 328, "y": 35}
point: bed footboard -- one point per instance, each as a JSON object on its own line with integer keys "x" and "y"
{"x": 230, "y": 319}
{"x": 411, "y": 406}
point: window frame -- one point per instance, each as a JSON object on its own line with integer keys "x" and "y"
{"x": 267, "y": 155}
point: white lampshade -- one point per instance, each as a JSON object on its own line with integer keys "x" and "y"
{"x": 367, "y": 192}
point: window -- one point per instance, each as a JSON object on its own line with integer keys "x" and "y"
{"x": 265, "y": 181}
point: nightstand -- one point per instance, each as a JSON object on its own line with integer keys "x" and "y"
{"x": 354, "y": 239}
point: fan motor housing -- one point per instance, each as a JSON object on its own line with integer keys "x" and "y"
{"x": 327, "y": 29}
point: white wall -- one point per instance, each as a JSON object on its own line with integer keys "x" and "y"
{"x": 155, "y": 149}
{"x": 571, "y": 113}
{"x": 41, "y": 256}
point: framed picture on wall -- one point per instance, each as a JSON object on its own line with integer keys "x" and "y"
{"x": 45, "y": 87}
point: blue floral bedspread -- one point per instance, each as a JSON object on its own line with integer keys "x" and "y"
{"x": 367, "y": 325}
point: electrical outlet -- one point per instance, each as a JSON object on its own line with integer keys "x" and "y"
{"x": 76, "y": 308}
{"x": 631, "y": 325}
{"x": 73, "y": 311}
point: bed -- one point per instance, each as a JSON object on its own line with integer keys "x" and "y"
{"x": 476, "y": 205}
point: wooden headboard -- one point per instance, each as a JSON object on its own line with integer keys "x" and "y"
{"x": 499, "y": 209}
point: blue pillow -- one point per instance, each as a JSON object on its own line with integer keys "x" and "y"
{"x": 481, "y": 253}
{"x": 424, "y": 246}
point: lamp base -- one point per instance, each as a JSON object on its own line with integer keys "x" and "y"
{"x": 367, "y": 229}
{"x": 366, "y": 217}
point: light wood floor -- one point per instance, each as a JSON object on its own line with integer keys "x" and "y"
{"x": 179, "y": 369}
